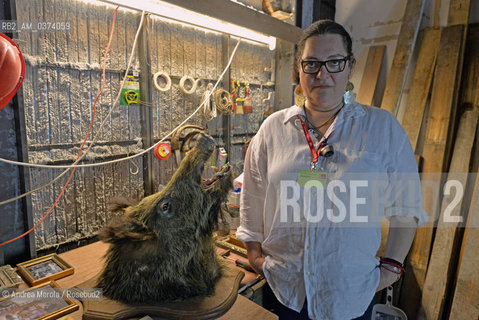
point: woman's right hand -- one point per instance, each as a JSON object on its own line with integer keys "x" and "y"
{"x": 255, "y": 256}
{"x": 257, "y": 265}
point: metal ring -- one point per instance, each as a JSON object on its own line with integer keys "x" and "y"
{"x": 167, "y": 79}
{"x": 182, "y": 84}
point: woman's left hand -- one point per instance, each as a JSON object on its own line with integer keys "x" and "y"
{"x": 386, "y": 279}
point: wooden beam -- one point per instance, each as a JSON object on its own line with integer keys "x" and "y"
{"x": 437, "y": 142}
{"x": 371, "y": 73}
{"x": 402, "y": 56}
{"x": 240, "y": 15}
{"x": 458, "y": 12}
{"x": 24, "y": 205}
{"x": 421, "y": 85}
{"x": 283, "y": 93}
{"x": 470, "y": 79}
{"x": 146, "y": 116}
{"x": 226, "y": 118}
{"x": 446, "y": 243}
{"x": 466, "y": 296}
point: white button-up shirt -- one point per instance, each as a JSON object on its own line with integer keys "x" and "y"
{"x": 321, "y": 242}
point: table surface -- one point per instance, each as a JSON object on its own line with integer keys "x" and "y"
{"x": 88, "y": 261}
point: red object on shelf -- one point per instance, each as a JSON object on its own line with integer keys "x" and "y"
{"x": 162, "y": 151}
{"x": 12, "y": 69}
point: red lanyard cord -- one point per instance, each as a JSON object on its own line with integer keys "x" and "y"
{"x": 315, "y": 153}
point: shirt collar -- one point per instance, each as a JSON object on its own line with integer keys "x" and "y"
{"x": 350, "y": 110}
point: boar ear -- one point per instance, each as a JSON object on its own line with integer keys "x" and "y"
{"x": 126, "y": 230}
{"x": 120, "y": 204}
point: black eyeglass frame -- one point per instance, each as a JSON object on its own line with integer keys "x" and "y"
{"x": 324, "y": 63}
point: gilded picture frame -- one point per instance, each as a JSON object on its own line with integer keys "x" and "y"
{"x": 42, "y": 302}
{"x": 44, "y": 269}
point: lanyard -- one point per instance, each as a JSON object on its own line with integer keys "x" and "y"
{"x": 315, "y": 153}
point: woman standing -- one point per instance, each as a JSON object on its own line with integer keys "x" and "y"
{"x": 318, "y": 177}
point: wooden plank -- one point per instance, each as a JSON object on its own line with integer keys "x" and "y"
{"x": 446, "y": 246}
{"x": 61, "y": 221}
{"x": 458, "y": 12}
{"x": 371, "y": 73}
{"x": 466, "y": 295}
{"x": 131, "y": 26}
{"x": 103, "y": 105}
{"x": 146, "y": 95}
{"x": 81, "y": 201}
{"x": 283, "y": 93}
{"x": 470, "y": 79}
{"x": 402, "y": 57}
{"x": 437, "y": 142}
{"x": 421, "y": 85}
{"x": 243, "y": 16}
{"x": 92, "y": 202}
{"x": 122, "y": 123}
{"x": 82, "y": 31}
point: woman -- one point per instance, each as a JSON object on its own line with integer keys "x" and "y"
{"x": 312, "y": 199}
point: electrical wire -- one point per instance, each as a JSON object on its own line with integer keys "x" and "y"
{"x": 84, "y": 140}
{"x": 49, "y": 166}
{"x": 75, "y": 164}
{"x": 121, "y": 159}
{"x": 223, "y": 101}
{"x": 94, "y": 138}
{"x": 209, "y": 109}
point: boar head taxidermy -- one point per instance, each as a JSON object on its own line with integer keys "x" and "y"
{"x": 162, "y": 248}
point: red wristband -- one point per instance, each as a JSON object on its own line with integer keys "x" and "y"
{"x": 393, "y": 263}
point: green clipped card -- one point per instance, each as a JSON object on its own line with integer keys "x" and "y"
{"x": 307, "y": 175}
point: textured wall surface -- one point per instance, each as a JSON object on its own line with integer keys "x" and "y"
{"x": 63, "y": 77}
{"x": 11, "y": 216}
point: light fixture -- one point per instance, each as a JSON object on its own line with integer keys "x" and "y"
{"x": 189, "y": 17}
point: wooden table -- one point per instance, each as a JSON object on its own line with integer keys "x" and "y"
{"x": 88, "y": 261}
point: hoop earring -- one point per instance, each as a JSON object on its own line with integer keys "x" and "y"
{"x": 349, "y": 95}
{"x": 299, "y": 98}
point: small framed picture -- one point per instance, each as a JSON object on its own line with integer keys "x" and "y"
{"x": 44, "y": 269}
{"x": 44, "y": 302}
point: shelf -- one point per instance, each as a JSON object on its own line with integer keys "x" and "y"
{"x": 243, "y": 16}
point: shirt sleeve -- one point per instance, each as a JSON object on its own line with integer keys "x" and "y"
{"x": 404, "y": 186}
{"x": 253, "y": 192}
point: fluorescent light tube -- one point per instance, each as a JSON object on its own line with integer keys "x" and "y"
{"x": 189, "y": 17}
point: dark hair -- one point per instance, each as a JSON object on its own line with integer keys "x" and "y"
{"x": 318, "y": 28}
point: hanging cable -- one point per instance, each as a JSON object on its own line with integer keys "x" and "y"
{"x": 84, "y": 140}
{"x": 107, "y": 117}
{"x": 166, "y": 80}
{"x": 223, "y": 101}
{"x": 50, "y": 166}
{"x": 183, "y": 81}
{"x": 102, "y": 124}
{"x": 209, "y": 108}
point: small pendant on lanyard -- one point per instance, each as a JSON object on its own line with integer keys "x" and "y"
{"x": 324, "y": 149}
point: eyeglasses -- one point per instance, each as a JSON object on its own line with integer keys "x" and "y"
{"x": 332, "y": 66}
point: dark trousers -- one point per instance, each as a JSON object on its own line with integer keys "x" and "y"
{"x": 284, "y": 313}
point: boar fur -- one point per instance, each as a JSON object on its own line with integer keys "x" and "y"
{"x": 162, "y": 247}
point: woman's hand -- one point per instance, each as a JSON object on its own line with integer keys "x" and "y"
{"x": 258, "y": 265}
{"x": 255, "y": 256}
{"x": 386, "y": 279}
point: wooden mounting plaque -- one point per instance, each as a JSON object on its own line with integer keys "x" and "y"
{"x": 210, "y": 307}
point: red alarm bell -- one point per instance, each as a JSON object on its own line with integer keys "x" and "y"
{"x": 12, "y": 69}
{"x": 162, "y": 151}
